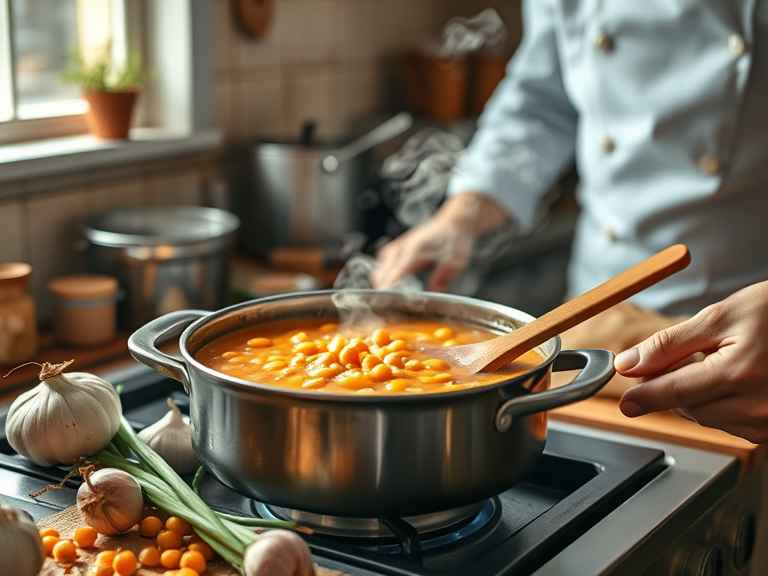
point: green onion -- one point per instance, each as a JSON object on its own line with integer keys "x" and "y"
{"x": 228, "y": 534}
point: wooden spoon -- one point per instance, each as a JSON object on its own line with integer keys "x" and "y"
{"x": 497, "y": 352}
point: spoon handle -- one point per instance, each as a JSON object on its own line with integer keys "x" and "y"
{"x": 590, "y": 303}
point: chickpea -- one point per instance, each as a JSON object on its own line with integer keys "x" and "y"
{"x": 436, "y": 364}
{"x": 325, "y": 359}
{"x": 329, "y": 327}
{"x": 414, "y": 365}
{"x": 440, "y": 377}
{"x": 370, "y": 361}
{"x": 380, "y": 337}
{"x": 397, "y": 345}
{"x": 299, "y": 337}
{"x": 321, "y": 345}
{"x": 337, "y": 343}
{"x": 350, "y": 354}
{"x": 353, "y": 379}
{"x": 259, "y": 342}
{"x": 306, "y": 347}
{"x": 398, "y": 384}
{"x": 298, "y": 360}
{"x": 274, "y": 365}
{"x": 443, "y": 333}
{"x": 380, "y": 372}
{"x": 326, "y": 371}
{"x": 230, "y": 354}
{"x": 237, "y": 359}
{"x": 451, "y": 342}
{"x": 394, "y": 359}
{"x": 314, "y": 383}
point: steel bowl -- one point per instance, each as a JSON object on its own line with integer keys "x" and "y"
{"x": 366, "y": 455}
{"x": 166, "y": 257}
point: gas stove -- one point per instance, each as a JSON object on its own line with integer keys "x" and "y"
{"x": 597, "y": 503}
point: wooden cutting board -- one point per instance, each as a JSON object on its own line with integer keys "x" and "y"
{"x": 67, "y": 521}
{"x": 667, "y": 426}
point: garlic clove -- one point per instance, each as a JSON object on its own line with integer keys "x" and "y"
{"x": 171, "y": 438}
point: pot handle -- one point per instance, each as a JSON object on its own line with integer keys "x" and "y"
{"x": 596, "y": 370}
{"x": 142, "y": 344}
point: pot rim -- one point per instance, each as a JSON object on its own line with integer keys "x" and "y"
{"x": 248, "y": 385}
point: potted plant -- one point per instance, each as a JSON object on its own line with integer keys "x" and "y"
{"x": 110, "y": 90}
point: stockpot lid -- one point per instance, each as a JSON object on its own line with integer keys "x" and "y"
{"x": 160, "y": 225}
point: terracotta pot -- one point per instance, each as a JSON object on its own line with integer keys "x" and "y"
{"x": 109, "y": 113}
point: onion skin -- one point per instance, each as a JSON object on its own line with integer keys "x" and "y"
{"x": 110, "y": 501}
{"x": 21, "y": 551}
{"x": 278, "y": 553}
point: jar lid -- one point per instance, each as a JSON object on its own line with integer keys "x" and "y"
{"x": 14, "y": 274}
{"x": 83, "y": 286}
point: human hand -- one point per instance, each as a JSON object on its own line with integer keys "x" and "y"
{"x": 444, "y": 242}
{"x": 712, "y": 368}
{"x": 615, "y": 329}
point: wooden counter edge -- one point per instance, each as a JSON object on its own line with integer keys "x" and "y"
{"x": 667, "y": 426}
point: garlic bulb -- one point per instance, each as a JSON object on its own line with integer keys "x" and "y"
{"x": 278, "y": 553}
{"x": 171, "y": 437}
{"x": 110, "y": 501}
{"x": 65, "y": 417}
{"x": 21, "y": 551}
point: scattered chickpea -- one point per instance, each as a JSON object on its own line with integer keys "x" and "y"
{"x": 64, "y": 552}
{"x": 178, "y": 525}
{"x": 380, "y": 372}
{"x": 260, "y": 342}
{"x": 380, "y": 337}
{"x": 203, "y": 548}
{"x": 125, "y": 563}
{"x": 106, "y": 557}
{"x": 168, "y": 539}
{"x": 85, "y": 537}
{"x": 170, "y": 558}
{"x": 49, "y": 532}
{"x": 150, "y": 557}
{"x": 48, "y": 543}
{"x": 194, "y": 560}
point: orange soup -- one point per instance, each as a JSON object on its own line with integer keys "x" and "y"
{"x": 392, "y": 359}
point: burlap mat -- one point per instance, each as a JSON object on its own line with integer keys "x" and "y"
{"x": 67, "y": 521}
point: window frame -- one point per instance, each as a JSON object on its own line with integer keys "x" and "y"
{"x": 28, "y": 129}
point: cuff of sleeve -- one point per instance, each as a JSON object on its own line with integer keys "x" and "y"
{"x": 513, "y": 195}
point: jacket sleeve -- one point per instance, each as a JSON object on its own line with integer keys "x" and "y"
{"x": 526, "y": 135}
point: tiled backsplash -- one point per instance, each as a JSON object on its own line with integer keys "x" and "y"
{"x": 329, "y": 60}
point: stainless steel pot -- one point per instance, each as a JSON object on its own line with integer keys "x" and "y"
{"x": 366, "y": 456}
{"x": 308, "y": 194}
{"x": 166, "y": 258}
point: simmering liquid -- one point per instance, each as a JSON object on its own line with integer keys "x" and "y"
{"x": 329, "y": 358}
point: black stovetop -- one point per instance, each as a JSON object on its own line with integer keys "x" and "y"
{"x": 577, "y": 482}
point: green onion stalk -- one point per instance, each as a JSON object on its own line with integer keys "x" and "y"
{"x": 228, "y": 534}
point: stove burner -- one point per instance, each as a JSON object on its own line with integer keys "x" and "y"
{"x": 414, "y": 533}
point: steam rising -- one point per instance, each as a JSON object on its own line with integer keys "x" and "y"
{"x": 419, "y": 173}
{"x": 355, "y": 311}
{"x": 463, "y": 35}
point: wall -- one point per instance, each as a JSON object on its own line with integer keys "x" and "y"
{"x": 332, "y": 60}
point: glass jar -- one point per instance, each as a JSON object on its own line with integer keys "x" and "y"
{"x": 18, "y": 318}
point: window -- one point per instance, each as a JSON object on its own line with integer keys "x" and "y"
{"x": 37, "y": 40}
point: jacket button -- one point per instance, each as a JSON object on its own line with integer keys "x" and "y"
{"x": 610, "y": 234}
{"x": 604, "y": 43}
{"x": 709, "y": 164}
{"x": 736, "y": 45}
{"x": 607, "y": 145}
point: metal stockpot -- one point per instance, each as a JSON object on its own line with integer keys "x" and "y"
{"x": 166, "y": 258}
{"x": 360, "y": 455}
{"x": 306, "y": 193}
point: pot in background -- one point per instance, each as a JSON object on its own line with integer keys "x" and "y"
{"x": 165, "y": 258}
{"x": 110, "y": 112}
{"x": 18, "y": 317}
{"x": 365, "y": 455}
